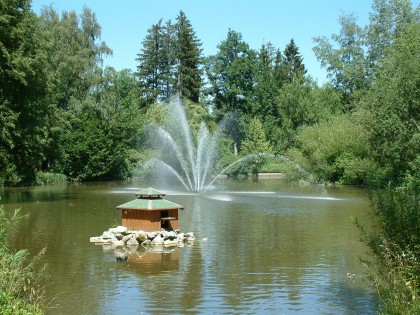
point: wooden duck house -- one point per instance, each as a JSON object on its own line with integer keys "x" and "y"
{"x": 150, "y": 212}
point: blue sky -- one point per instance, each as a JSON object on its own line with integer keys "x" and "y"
{"x": 125, "y": 23}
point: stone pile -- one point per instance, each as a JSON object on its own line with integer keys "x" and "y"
{"x": 121, "y": 236}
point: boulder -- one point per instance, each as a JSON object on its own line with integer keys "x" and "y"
{"x": 132, "y": 241}
{"x": 127, "y": 237}
{"x": 158, "y": 240}
{"x": 96, "y": 239}
{"x": 169, "y": 242}
{"x": 151, "y": 235}
{"x": 108, "y": 235}
{"x": 141, "y": 236}
{"x": 118, "y": 230}
{"x": 171, "y": 235}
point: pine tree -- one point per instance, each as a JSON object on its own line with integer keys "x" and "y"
{"x": 149, "y": 70}
{"x": 293, "y": 62}
{"x": 188, "y": 55}
{"x": 167, "y": 63}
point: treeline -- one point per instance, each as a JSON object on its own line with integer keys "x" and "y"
{"x": 63, "y": 112}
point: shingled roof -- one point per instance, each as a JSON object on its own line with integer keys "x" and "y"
{"x": 150, "y": 199}
{"x": 150, "y": 192}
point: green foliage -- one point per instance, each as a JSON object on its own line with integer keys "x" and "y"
{"x": 302, "y": 103}
{"x": 256, "y": 144}
{"x": 394, "y": 243}
{"x": 231, "y": 74}
{"x": 188, "y": 55}
{"x": 293, "y": 62}
{"x": 334, "y": 151}
{"x": 24, "y": 117}
{"x": 393, "y": 108}
{"x": 169, "y": 62}
{"x": 19, "y": 286}
{"x": 45, "y": 178}
{"x": 345, "y": 64}
{"x": 388, "y": 20}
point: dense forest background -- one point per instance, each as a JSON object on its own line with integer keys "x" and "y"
{"x": 63, "y": 112}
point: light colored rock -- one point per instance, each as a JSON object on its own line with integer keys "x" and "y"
{"x": 151, "y": 235}
{"x": 132, "y": 241}
{"x": 118, "y": 230}
{"x": 158, "y": 240}
{"x": 181, "y": 237}
{"x": 96, "y": 239}
{"x": 171, "y": 235}
{"x": 127, "y": 237}
{"x": 169, "y": 242}
{"x": 108, "y": 235}
{"x": 141, "y": 236}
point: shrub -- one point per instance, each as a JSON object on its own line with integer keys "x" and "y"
{"x": 20, "y": 292}
{"x": 395, "y": 246}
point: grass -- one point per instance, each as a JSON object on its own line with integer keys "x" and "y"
{"x": 20, "y": 289}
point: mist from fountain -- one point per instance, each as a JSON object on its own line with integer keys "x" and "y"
{"x": 190, "y": 160}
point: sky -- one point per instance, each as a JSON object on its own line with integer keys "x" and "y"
{"x": 125, "y": 23}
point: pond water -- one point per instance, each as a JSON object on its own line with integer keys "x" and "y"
{"x": 271, "y": 248}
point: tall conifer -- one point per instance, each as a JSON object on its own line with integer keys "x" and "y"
{"x": 188, "y": 55}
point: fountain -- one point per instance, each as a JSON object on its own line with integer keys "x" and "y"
{"x": 191, "y": 161}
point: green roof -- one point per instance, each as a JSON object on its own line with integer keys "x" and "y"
{"x": 150, "y": 204}
{"x": 149, "y": 192}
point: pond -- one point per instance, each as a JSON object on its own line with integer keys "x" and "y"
{"x": 261, "y": 247}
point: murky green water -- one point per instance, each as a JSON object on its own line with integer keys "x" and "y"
{"x": 272, "y": 248}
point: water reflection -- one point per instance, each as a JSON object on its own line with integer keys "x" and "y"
{"x": 272, "y": 248}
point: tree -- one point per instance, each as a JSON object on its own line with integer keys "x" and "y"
{"x": 231, "y": 74}
{"x": 345, "y": 64}
{"x": 265, "y": 88}
{"x": 74, "y": 70}
{"x": 188, "y": 56}
{"x": 255, "y": 144}
{"x": 387, "y": 22}
{"x": 335, "y": 150}
{"x": 392, "y": 108}
{"x": 150, "y": 69}
{"x": 293, "y": 62}
{"x": 24, "y": 118}
{"x": 75, "y": 54}
{"x": 101, "y": 133}
{"x": 170, "y": 62}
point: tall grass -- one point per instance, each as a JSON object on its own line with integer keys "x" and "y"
{"x": 45, "y": 178}
{"x": 394, "y": 265}
{"x": 20, "y": 289}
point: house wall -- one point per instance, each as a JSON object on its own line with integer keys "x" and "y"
{"x": 147, "y": 220}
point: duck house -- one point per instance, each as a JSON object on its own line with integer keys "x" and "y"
{"x": 150, "y": 212}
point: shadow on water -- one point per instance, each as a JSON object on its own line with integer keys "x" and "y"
{"x": 46, "y": 193}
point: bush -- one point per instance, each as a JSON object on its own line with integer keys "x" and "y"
{"x": 395, "y": 247}
{"x": 334, "y": 151}
{"x": 45, "y": 178}
{"x": 20, "y": 292}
